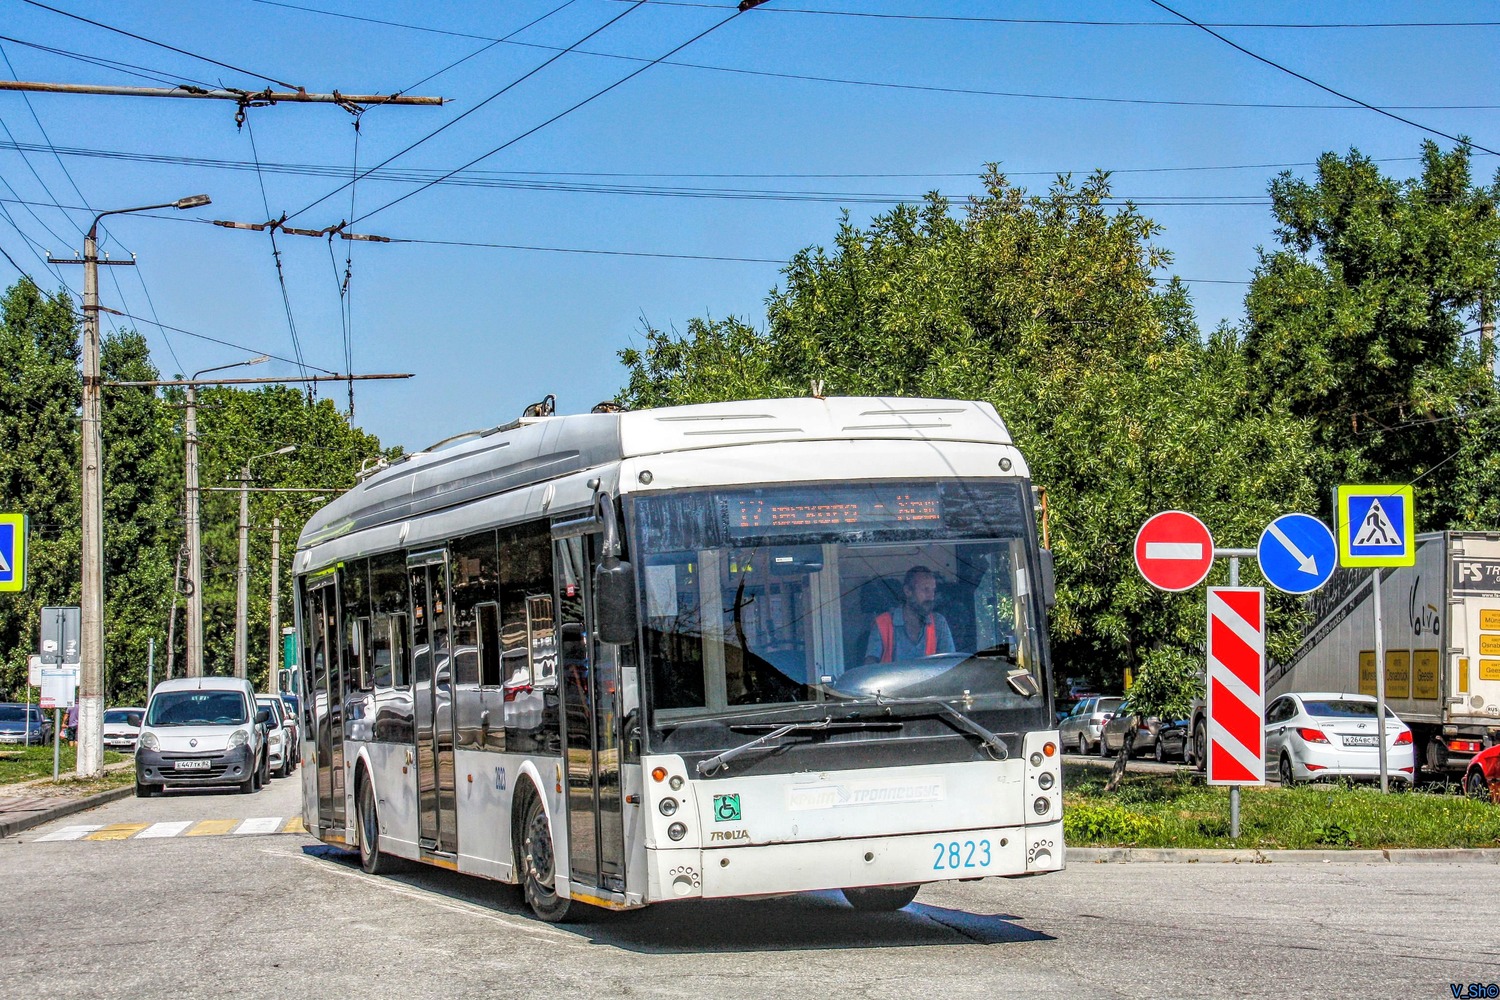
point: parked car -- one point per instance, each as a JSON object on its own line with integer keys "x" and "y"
{"x": 23, "y": 723}
{"x": 202, "y": 731}
{"x": 1315, "y": 736}
{"x": 1172, "y": 741}
{"x": 1112, "y": 736}
{"x": 1080, "y": 730}
{"x": 1482, "y": 779}
{"x": 278, "y": 736}
{"x": 122, "y": 727}
{"x": 293, "y": 726}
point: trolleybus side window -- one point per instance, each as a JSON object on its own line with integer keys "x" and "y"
{"x": 388, "y": 582}
{"x": 488, "y": 614}
{"x": 354, "y": 588}
{"x": 528, "y": 652}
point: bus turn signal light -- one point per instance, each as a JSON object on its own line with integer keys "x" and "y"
{"x": 658, "y": 774}
{"x": 1050, "y": 749}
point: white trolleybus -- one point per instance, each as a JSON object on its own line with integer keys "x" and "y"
{"x": 731, "y": 649}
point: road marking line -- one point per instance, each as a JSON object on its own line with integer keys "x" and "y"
{"x": 261, "y": 824}
{"x": 164, "y": 829}
{"x": 117, "y": 831}
{"x": 294, "y": 825}
{"x": 212, "y": 827}
{"x": 68, "y": 833}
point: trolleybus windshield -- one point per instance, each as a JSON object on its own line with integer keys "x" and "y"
{"x": 771, "y": 603}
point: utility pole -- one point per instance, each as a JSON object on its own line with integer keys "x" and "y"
{"x": 91, "y": 645}
{"x": 242, "y": 589}
{"x": 172, "y": 615}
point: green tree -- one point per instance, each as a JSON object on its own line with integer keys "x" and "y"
{"x": 1361, "y": 321}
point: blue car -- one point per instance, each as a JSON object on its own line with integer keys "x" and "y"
{"x": 21, "y": 723}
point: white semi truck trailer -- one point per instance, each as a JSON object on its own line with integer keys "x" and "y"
{"x": 1441, "y": 630}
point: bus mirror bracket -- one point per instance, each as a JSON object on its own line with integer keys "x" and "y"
{"x": 1048, "y": 578}
{"x": 614, "y": 581}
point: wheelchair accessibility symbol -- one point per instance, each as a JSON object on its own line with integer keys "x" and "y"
{"x": 726, "y": 808}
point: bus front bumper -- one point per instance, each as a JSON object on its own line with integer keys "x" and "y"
{"x": 768, "y": 869}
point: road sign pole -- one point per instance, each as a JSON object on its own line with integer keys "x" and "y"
{"x": 1234, "y": 790}
{"x": 56, "y": 740}
{"x": 1380, "y": 682}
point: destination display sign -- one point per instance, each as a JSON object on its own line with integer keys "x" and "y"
{"x": 787, "y": 511}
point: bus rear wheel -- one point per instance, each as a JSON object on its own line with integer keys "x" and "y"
{"x": 881, "y": 899}
{"x": 539, "y": 865}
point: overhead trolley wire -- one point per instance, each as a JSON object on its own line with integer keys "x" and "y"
{"x": 130, "y": 69}
{"x": 560, "y": 115}
{"x": 1322, "y": 86}
{"x": 520, "y": 79}
{"x": 230, "y": 343}
{"x": 163, "y": 45}
{"x": 286, "y": 299}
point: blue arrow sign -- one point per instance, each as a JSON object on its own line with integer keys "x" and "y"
{"x": 1297, "y": 553}
{"x": 12, "y": 552}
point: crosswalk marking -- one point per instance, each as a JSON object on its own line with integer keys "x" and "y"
{"x": 164, "y": 829}
{"x": 117, "y": 831}
{"x": 70, "y": 832}
{"x": 254, "y": 826}
{"x": 212, "y": 827}
{"x": 262, "y": 824}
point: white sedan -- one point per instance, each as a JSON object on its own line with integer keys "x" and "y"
{"x": 1316, "y": 736}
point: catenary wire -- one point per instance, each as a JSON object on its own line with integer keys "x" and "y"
{"x": 484, "y": 48}
{"x": 1321, "y": 86}
{"x": 454, "y": 121}
{"x": 130, "y": 69}
{"x": 163, "y": 45}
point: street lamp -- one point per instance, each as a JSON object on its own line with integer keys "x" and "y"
{"x": 241, "y": 596}
{"x": 194, "y": 536}
{"x": 91, "y": 645}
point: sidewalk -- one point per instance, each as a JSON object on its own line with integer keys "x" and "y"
{"x": 26, "y": 804}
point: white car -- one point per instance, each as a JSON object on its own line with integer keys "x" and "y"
{"x": 202, "y": 731}
{"x": 278, "y": 735}
{"x": 122, "y": 727}
{"x": 1316, "y": 736}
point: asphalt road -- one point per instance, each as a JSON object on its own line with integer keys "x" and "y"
{"x": 210, "y": 912}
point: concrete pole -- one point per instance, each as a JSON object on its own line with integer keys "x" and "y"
{"x": 90, "y": 757}
{"x": 242, "y": 580}
{"x": 150, "y": 666}
{"x": 273, "y": 647}
{"x": 194, "y": 541}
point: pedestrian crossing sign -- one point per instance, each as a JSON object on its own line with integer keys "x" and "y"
{"x": 12, "y": 553}
{"x": 1377, "y": 526}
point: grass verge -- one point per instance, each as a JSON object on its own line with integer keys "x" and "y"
{"x": 1179, "y": 810}
{"x": 25, "y": 763}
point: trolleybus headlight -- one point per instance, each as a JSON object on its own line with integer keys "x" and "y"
{"x": 677, "y": 831}
{"x": 1041, "y": 805}
{"x": 667, "y": 806}
{"x": 676, "y": 782}
{"x": 1045, "y": 780}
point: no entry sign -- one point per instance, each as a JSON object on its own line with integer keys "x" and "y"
{"x": 1236, "y": 685}
{"x": 1173, "y": 550}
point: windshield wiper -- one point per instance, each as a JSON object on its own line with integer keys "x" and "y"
{"x": 712, "y": 764}
{"x": 992, "y": 742}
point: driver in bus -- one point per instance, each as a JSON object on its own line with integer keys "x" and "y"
{"x": 913, "y": 629}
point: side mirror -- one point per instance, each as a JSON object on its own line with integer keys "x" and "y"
{"x": 1047, "y": 578}
{"x": 615, "y": 601}
{"x": 263, "y": 716}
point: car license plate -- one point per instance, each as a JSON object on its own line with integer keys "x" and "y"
{"x": 192, "y": 765}
{"x": 1359, "y": 741}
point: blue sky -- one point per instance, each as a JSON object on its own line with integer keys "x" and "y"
{"x": 680, "y": 160}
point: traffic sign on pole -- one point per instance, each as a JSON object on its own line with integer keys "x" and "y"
{"x": 1297, "y": 553}
{"x": 1174, "y": 550}
{"x": 1236, "y": 685}
{"x": 1377, "y": 526}
{"x": 12, "y": 553}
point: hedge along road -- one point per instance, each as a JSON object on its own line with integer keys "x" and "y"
{"x": 253, "y": 916}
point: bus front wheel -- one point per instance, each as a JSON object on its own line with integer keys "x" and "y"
{"x": 367, "y": 819}
{"x": 881, "y": 899}
{"x": 539, "y": 865}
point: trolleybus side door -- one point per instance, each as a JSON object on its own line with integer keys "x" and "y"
{"x": 432, "y": 697}
{"x": 588, "y": 675}
{"x": 325, "y": 690}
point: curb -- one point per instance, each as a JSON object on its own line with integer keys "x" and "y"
{"x": 11, "y": 827}
{"x": 1168, "y": 855}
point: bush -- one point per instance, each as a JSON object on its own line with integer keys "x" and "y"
{"x": 1107, "y": 823}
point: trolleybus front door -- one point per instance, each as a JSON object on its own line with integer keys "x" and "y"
{"x": 432, "y": 694}
{"x": 589, "y": 678}
{"x": 325, "y": 693}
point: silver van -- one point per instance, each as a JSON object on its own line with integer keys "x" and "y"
{"x": 202, "y": 731}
